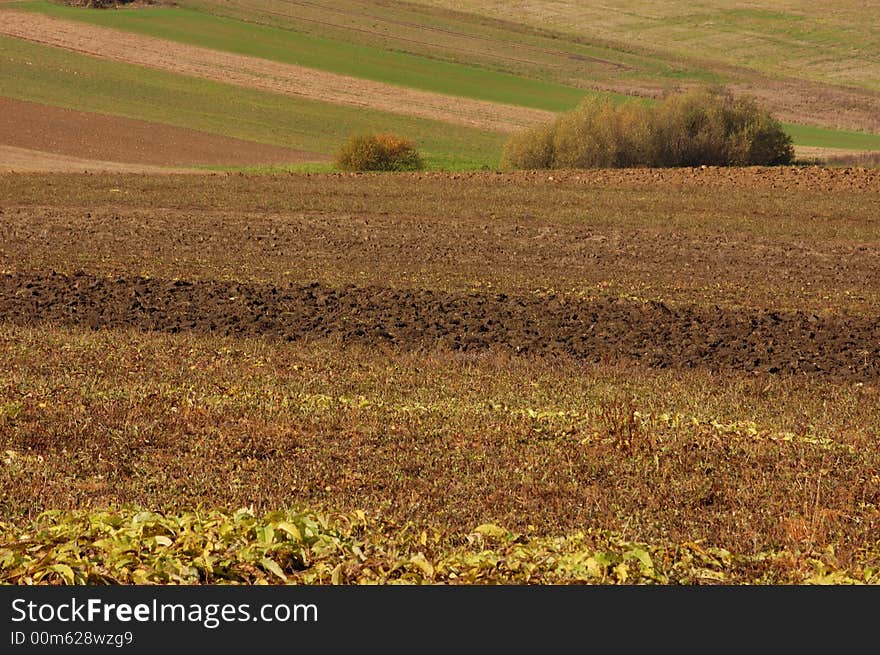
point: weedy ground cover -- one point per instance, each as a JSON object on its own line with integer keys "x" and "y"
{"x": 440, "y": 441}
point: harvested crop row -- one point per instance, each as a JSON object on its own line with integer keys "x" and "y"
{"x": 595, "y": 330}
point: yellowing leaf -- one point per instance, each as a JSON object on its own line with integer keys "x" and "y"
{"x": 65, "y": 571}
{"x": 491, "y": 530}
{"x": 162, "y": 540}
{"x": 290, "y": 529}
{"x": 594, "y": 568}
{"x": 266, "y": 534}
{"x": 272, "y": 566}
{"x": 426, "y": 567}
{"x": 643, "y": 557}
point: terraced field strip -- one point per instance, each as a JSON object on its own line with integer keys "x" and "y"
{"x": 74, "y": 140}
{"x": 72, "y": 80}
{"x": 491, "y": 36}
{"x": 25, "y": 160}
{"x": 266, "y": 75}
{"x": 289, "y": 45}
{"x": 837, "y": 43}
{"x": 474, "y": 57}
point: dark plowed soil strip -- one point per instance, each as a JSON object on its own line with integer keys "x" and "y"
{"x": 597, "y": 330}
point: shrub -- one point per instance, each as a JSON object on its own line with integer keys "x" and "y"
{"x": 689, "y": 129}
{"x": 378, "y": 152}
{"x": 600, "y": 134}
{"x": 714, "y": 128}
{"x": 530, "y": 149}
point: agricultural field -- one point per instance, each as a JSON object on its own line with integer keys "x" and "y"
{"x": 660, "y": 376}
{"x": 222, "y": 360}
{"x": 307, "y": 75}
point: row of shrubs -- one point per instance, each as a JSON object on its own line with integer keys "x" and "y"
{"x": 696, "y": 128}
{"x": 688, "y": 129}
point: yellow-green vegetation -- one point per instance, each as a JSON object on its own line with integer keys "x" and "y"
{"x": 378, "y": 152}
{"x": 133, "y": 546}
{"x": 835, "y": 42}
{"x": 691, "y": 129}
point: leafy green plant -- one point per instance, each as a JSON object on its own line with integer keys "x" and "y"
{"x": 379, "y": 152}
{"x": 131, "y": 545}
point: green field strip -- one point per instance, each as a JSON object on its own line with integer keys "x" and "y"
{"x": 290, "y": 47}
{"x": 67, "y": 79}
{"x": 199, "y": 28}
{"x": 808, "y": 135}
{"x": 377, "y": 24}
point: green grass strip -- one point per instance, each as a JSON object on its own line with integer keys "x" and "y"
{"x": 808, "y": 135}
{"x": 68, "y": 79}
{"x": 291, "y": 47}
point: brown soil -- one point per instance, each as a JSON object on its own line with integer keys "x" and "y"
{"x": 266, "y": 75}
{"x": 372, "y": 278}
{"x": 798, "y": 239}
{"x": 70, "y": 136}
{"x": 607, "y": 329}
{"x": 24, "y": 160}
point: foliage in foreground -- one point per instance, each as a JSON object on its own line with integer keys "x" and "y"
{"x": 134, "y": 546}
{"x": 379, "y": 152}
{"x": 690, "y": 129}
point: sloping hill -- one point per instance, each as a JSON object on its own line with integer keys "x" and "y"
{"x": 305, "y": 75}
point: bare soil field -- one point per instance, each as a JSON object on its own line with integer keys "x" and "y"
{"x": 522, "y": 279}
{"x": 77, "y": 141}
{"x": 266, "y": 75}
{"x": 797, "y": 239}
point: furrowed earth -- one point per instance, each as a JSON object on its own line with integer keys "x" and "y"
{"x": 597, "y": 331}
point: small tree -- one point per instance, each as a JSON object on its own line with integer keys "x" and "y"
{"x": 378, "y": 152}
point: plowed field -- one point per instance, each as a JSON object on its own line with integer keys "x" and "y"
{"x": 679, "y": 355}
{"x": 602, "y": 330}
{"x": 547, "y": 265}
